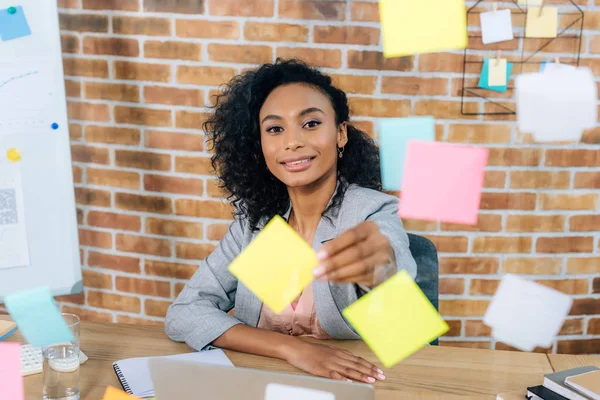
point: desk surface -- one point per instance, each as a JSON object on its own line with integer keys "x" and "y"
{"x": 432, "y": 373}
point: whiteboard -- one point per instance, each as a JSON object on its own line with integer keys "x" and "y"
{"x": 39, "y": 245}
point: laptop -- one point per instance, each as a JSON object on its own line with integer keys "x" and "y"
{"x": 183, "y": 380}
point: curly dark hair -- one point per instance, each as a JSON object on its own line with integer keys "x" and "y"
{"x": 233, "y": 132}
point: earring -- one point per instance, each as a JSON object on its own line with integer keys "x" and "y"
{"x": 340, "y": 152}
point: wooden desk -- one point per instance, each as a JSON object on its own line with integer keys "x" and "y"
{"x": 432, "y": 373}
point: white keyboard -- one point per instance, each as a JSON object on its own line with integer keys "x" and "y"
{"x": 32, "y": 361}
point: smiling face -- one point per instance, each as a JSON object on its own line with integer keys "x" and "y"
{"x": 299, "y": 135}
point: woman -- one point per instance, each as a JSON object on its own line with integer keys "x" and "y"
{"x": 284, "y": 145}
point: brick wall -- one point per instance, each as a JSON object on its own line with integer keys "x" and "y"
{"x": 139, "y": 74}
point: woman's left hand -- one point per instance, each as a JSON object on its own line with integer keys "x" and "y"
{"x": 356, "y": 256}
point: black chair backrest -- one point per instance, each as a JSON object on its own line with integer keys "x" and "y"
{"x": 425, "y": 254}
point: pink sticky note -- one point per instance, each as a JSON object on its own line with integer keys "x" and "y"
{"x": 442, "y": 182}
{"x": 11, "y": 380}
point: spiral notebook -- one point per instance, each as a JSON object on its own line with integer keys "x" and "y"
{"x": 134, "y": 374}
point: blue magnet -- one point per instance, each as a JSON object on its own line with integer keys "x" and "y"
{"x": 54, "y": 126}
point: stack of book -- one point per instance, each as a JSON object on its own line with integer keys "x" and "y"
{"x": 581, "y": 383}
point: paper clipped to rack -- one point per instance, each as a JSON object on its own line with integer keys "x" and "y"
{"x": 496, "y": 26}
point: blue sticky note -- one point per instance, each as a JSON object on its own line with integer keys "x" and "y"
{"x": 13, "y": 26}
{"x": 483, "y": 78}
{"x": 394, "y": 134}
{"x": 543, "y": 66}
{"x": 37, "y": 317}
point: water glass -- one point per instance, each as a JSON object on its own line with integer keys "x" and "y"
{"x": 61, "y": 365}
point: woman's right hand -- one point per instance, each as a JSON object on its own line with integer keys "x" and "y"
{"x": 332, "y": 362}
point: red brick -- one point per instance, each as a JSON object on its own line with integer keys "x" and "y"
{"x": 156, "y": 308}
{"x": 569, "y": 244}
{"x": 69, "y": 43}
{"x": 246, "y": 54}
{"x": 451, "y": 286}
{"x": 441, "y": 109}
{"x": 111, "y": 46}
{"x": 572, "y": 158}
{"x": 589, "y": 180}
{"x": 496, "y": 244}
{"x": 173, "y": 140}
{"x": 204, "y": 29}
{"x": 507, "y": 201}
{"x": 190, "y": 119}
{"x": 594, "y": 326}
{"x": 142, "y": 116}
{"x": 449, "y": 244}
{"x": 91, "y": 238}
{"x": 77, "y": 175}
{"x": 587, "y": 306}
{"x": 135, "y": 202}
{"x": 454, "y": 325}
{"x": 143, "y": 160}
{"x": 363, "y": 11}
{"x": 360, "y": 35}
{"x": 419, "y": 225}
{"x": 169, "y": 270}
{"x": 171, "y": 184}
{"x": 213, "y": 189}
{"x": 535, "y": 223}
{"x": 194, "y": 165}
{"x": 165, "y": 227}
{"x": 373, "y": 107}
{"x": 217, "y": 231}
{"x": 193, "y": 251}
{"x": 242, "y": 8}
{"x": 583, "y": 265}
{"x": 92, "y": 197}
{"x": 479, "y": 133}
{"x": 83, "y": 22}
{"x": 87, "y": 154}
{"x": 300, "y": 9}
{"x": 477, "y": 328}
{"x": 485, "y": 223}
{"x": 355, "y": 83}
{"x": 568, "y": 286}
{"x": 540, "y": 179}
{"x": 109, "y": 261}
{"x": 120, "y": 5}
{"x": 463, "y": 308}
{"x": 143, "y": 286}
{"x": 414, "y": 85}
{"x": 148, "y": 26}
{"x": 112, "y": 135}
{"x": 441, "y": 62}
{"x": 573, "y": 326}
{"x": 96, "y": 279}
{"x": 568, "y": 201}
{"x": 111, "y": 91}
{"x": 494, "y": 179}
{"x": 573, "y": 346}
{"x": 115, "y": 178}
{"x": 85, "y": 67}
{"x": 74, "y": 298}
{"x": 172, "y": 50}
{"x": 214, "y": 76}
{"x": 173, "y": 96}
{"x": 468, "y": 265}
{"x": 113, "y": 301}
{"x": 88, "y": 111}
{"x": 114, "y": 221}
{"x": 178, "y": 288}
{"x": 327, "y": 58}
{"x": 68, "y": 3}
{"x": 72, "y": 88}
{"x": 203, "y": 208}
{"x": 512, "y": 156}
{"x": 584, "y": 223}
{"x": 142, "y": 71}
{"x": 505, "y": 347}
{"x": 533, "y": 266}
{"x": 368, "y": 59}
{"x": 175, "y": 6}
{"x": 143, "y": 245}
{"x": 273, "y": 32}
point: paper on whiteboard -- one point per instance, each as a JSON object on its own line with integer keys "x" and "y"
{"x": 557, "y": 104}
{"x": 26, "y": 97}
{"x": 14, "y": 251}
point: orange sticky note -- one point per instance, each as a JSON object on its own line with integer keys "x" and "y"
{"x": 116, "y": 394}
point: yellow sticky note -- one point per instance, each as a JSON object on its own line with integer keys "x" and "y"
{"x": 13, "y": 155}
{"x": 497, "y": 72}
{"x": 277, "y": 265}
{"x": 415, "y": 27}
{"x": 116, "y": 394}
{"x": 395, "y": 319}
{"x": 544, "y": 26}
{"x": 530, "y": 2}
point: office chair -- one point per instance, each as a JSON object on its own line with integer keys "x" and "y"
{"x": 425, "y": 254}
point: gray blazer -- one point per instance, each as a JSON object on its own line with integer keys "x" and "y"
{"x": 199, "y": 314}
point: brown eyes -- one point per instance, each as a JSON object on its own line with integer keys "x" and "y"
{"x": 278, "y": 129}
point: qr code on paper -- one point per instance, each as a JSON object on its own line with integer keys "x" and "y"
{"x": 8, "y": 207}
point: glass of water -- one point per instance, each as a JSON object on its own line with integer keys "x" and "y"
{"x": 61, "y": 365}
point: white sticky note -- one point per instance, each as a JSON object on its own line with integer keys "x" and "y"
{"x": 497, "y": 72}
{"x": 276, "y": 391}
{"x": 557, "y": 104}
{"x": 552, "y": 66}
{"x": 525, "y": 314}
{"x": 496, "y": 26}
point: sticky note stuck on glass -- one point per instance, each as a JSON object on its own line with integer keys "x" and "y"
{"x": 277, "y": 265}
{"x": 414, "y": 27}
{"x": 37, "y": 317}
{"x": 496, "y": 26}
{"x": 525, "y": 314}
{"x": 541, "y": 26}
{"x": 112, "y": 393}
{"x": 13, "y": 24}
{"x": 484, "y": 77}
{"x": 497, "y": 72}
{"x": 394, "y": 134}
{"x": 395, "y": 319}
{"x": 11, "y": 380}
{"x": 13, "y": 155}
{"x": 454, "y": 176}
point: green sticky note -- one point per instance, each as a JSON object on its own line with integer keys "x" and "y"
{"x": 395, "y": 319}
